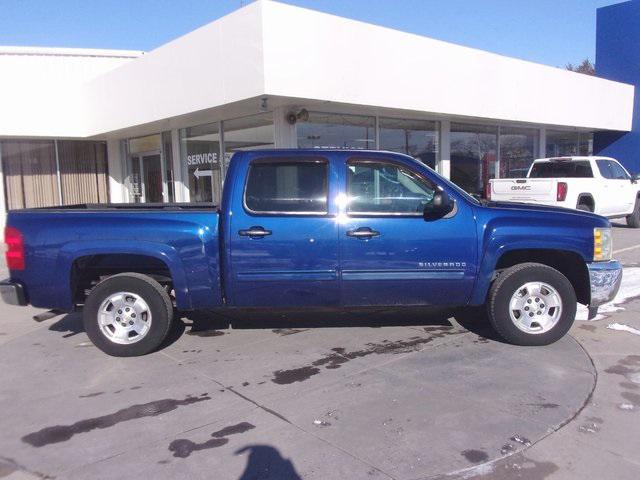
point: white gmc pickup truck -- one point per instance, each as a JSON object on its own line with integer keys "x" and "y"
{"x": 595, "y": 184}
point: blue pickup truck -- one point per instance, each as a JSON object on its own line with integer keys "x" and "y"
{"x": 311, "y": 228}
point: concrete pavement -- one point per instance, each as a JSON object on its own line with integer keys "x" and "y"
{"x": 368, "y": 394}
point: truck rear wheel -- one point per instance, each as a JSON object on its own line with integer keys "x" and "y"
{"x": 633, "y": 220}
{"x": 128, "y": 315}
{"x": 532, "y": 304}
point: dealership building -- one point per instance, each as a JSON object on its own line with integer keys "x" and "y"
{"x": 86, "y": 126}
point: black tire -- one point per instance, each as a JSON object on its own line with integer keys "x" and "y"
{"x": 506, "y": 285}
{"x": 633, "y": 220}
{"x": 151, "y": 292}
{"x": 584, "y": 208}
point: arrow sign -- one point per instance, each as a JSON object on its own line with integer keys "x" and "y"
{"x": 202, "y": 173}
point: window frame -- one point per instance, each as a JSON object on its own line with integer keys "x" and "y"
{"x": 287, "y": 160}
{"x": 604, "y": 162}
{"x": 365, "y": 160}
{"x": 613, "y": 163}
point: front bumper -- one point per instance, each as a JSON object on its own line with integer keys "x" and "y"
{"x": 605, "y": 279}
{"x": 12, "y": 293}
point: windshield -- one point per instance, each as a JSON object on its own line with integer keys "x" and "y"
{"x": 576, "y": 169}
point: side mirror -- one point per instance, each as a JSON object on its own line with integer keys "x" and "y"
{"x": 635, "y": 178}
{"x": 440, "y": 206}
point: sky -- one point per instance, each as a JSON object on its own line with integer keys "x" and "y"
{"x": 553, "y": 32}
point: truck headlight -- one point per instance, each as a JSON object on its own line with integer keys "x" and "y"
{"x": 602, "y": 244}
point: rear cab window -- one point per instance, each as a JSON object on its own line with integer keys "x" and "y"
{"x": 567, "y": 169}
{"x": 287, "y": 187}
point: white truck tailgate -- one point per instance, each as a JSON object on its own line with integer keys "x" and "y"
{"x": 537, "y": 190}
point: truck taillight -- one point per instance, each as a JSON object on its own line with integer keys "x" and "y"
{"x": 15, "y": 249}
{"x": 561, "y": 194}
{"x": 487, "y": 191}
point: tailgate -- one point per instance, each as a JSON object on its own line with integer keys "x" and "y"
{"x": 537, "y": 190}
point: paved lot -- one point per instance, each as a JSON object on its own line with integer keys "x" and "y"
{"x": 368, "y": 394}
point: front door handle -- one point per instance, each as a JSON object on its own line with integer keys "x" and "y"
{"x": 254, "y": 232}
{"x": 362, "y": 232}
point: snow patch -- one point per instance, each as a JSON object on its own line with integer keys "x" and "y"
{"x": 630, "y": 288}
{"x": 623, "y": 328}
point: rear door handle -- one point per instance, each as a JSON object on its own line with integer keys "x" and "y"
{"x": 254, "y": 232}
{"x": 362, "y": 232}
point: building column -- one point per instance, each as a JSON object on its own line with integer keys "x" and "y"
{"x": 180, "y": 183}
{"x": 3, "y": 205}
{"x": 115, "y": 165}
{"x": 443, "y": 167}
{"x": 285, "y": 135}
{"x": 542, "y": 152}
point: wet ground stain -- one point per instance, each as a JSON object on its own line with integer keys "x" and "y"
{"x": 340, "y": 356}
{"x": 513, "y": 467}
{"x": 287, "y": 331}
{"x": 62, "y": 433}
{"x": 183, "y": 448}
{"x": 205, "y": 333}
{"x": 632, "y": 398}
{"x": 244, "y": 384}
{"x": 91, "y": 395}
{"x": 191, "y": 351}
{"x": 544, "y": 405}
{"x": 588, "y": 328}
{"x": 624, "y": 369}
{"x": 475, "y": 456}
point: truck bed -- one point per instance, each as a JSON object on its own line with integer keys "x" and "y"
{"x": 124, "y": 206}
{"x": 181, "y": 239}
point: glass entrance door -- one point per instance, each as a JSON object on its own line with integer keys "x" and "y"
{"x": 147, "y": 181}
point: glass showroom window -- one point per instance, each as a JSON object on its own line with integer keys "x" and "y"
{"x": 48, "y": 173}
{"x": 247, "y": 133}
{"x": 334, "y": 130}
{"x": 518, "y": 150}
{"x": 473, "y": 156}
{"x": 200, "y": 151}
{"x": 417, "y": 138}
{"x": 561, "y": 144}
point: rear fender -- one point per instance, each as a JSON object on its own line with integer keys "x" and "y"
{"x": 165, "y": 253}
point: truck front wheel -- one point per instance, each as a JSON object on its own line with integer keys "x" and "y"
{"x": 532, "y": 304}
{"x": 127, "y": 315}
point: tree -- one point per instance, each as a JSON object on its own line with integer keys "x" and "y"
{"x": 585, "y": 67}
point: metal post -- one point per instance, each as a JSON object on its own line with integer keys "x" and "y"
{"x": 377, "y": 132}
{"x": 444, "y": 165}
{"x": 3, "y": 204}
{"x": 60, "y": 200}
{"x": 221, "y": 148}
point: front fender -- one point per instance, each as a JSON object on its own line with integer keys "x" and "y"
{"x": 497, "y": 240}
{"x": 72, "y": 251}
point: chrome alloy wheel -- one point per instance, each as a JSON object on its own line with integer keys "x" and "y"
{"x": 535, "y": 307}
{"x": 124, "y": 318}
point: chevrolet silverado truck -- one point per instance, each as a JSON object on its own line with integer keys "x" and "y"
{"x": 308, "y": 229}
{"x": 592, "y": 184}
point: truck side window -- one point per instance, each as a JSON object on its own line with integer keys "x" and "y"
{"x": 605, "y": 168}
{"x": 287, "y": 187}
{"x": 617, "y": 171}
{"x": 380, "y": 188}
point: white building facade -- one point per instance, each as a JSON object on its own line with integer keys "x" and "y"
{"x": 86, "y": 126}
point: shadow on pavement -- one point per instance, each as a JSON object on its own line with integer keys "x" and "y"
{"x": 265, "y": 462}
{"x": 208, "y": 323}
{"x": 69, "y": 325}
{"x": 473, "y": 319}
